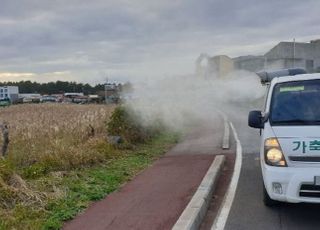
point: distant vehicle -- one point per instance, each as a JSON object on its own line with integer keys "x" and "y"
{"x": 49, "y": 99}
{"x": 290, "y": 137}
{"x": 31, "y": 100}
{"x": 80, "y": 100}
{"x": 30, "y": 97}
{"x": 5, "y": 102}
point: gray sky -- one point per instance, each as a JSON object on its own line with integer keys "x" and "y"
{"x": 85, "y": 41}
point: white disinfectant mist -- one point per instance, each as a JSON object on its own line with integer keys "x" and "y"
{"x": 181, "y": 100}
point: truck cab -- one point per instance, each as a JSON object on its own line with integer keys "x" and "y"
{"x": 290, "y": 137}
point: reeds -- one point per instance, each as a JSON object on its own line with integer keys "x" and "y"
{"x": 55, "y": 136}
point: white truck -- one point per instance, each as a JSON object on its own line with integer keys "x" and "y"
{"x": 290, "y": 136}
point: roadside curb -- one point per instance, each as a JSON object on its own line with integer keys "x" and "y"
{"x": 195, "y": 211}
{"x": 221, "y": 219}
{"x": 225, "y": 142}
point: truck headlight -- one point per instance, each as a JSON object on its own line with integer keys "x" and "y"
{"x": 273, "y": 153}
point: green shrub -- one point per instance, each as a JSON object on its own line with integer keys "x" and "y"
{"x": 128, "y": 124}
{"x": 6, "y": 170}
{"x": 34, "y": 171}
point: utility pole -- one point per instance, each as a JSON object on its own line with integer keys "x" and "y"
{"x": 294, "y": 52}
{"x": 105, "y": 90}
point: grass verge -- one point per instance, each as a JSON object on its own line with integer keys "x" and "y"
{"x": 74, "y": 190}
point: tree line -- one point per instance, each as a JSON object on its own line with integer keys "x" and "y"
{"x": 54, "y": 87}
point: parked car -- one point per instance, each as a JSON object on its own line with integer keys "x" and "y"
{"x": 31, "y": 100}
{"x": 5, "y": 102}
{"x": 49, "y": 99}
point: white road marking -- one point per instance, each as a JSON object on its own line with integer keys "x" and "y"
{"x": 193, "y": 214}
{"x": 224, "y": 211}
{"x": 225, "y": 143}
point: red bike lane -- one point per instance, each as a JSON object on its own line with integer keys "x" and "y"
{"x": 155, "y": 198}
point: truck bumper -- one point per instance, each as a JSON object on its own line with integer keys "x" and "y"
{"x": 289, "y": 184}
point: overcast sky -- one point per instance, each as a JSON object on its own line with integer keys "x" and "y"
{"x": 89, "y": 40}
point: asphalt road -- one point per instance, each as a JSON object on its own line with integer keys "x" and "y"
{"x": 248, "y": 210}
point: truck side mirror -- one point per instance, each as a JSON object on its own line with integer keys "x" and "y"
{"x": 255, "y": 119}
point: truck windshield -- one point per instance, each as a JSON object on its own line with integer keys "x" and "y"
{"x": 296, "y": 103}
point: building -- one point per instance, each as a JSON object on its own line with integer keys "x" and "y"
{"x": 282, "y": 56}
{"x": 72, "y": 95}
{"x": 294, "y": 54}
{"x": 75, "y": 98}
{"x": 250, "y": 63}
{"x": 221, "y": 65}
{"x": 11, "y": 92}
{"x": 218, "y": 66}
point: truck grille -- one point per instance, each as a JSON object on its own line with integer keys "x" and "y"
{"x": 310, "y": 190}
{"x": 305, "y": 158}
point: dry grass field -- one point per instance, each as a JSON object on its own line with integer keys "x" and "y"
{"x": 59, "y": 160}
{"x": 55, "y": 136}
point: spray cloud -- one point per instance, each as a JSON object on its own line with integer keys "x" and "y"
{"x": 181, "y": 100}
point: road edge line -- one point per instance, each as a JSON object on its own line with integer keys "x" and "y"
{"x": 192, "y": 216}
{"x": 221, "y": 219}
{"x": 226, "y": 136}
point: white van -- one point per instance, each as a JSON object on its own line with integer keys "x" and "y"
{"x": 290, "y": 136}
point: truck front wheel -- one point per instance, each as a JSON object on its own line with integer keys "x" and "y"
{"x": 267, "y": 200}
